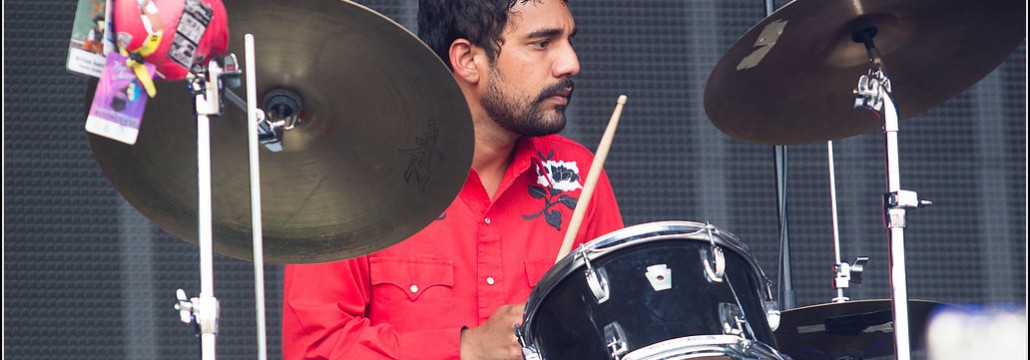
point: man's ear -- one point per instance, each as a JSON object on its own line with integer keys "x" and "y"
{"x": 464, "y": 60}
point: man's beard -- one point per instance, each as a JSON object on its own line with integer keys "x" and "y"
{"x": 522, "y": 116}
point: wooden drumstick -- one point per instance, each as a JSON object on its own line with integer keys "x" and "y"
{"x": 591, "y": 181}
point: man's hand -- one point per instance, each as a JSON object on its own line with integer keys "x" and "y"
{"x": 495, "y": 339}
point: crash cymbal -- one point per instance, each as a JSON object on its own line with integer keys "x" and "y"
{"x": 383, "y": 147}
{"x": 851, "y": 330}
{"x": 789, "y": 79}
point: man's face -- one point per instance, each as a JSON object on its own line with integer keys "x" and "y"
{"x": 530, "y": 82}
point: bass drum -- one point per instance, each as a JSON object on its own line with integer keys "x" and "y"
{"x": 662, "y": 290}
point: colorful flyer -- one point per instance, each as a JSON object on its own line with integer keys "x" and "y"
{"x": 90, "y": 41}
{"x": 118, "y": 103}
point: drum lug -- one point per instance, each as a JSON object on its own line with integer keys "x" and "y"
{"x": 732, "y": 319}
{"x": 715, "y": 264}
{"x": 597, "y": 280}
{"x": 660, "y": 277}
{"x": 615, "y": 337}
{"x": 772, "y": 315}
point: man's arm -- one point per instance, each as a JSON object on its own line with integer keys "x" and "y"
{"x": 324, "y": 307}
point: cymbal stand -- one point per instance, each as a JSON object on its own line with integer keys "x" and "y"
{"x": 255, "y": 116}
{"x": 785, "y": 283}
{"x": 206, "y": 85}
{"x": 874, "y": 93}
{"x": 845, "y": 273}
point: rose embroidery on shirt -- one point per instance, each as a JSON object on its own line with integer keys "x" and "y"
{"x": 558, "y": 175}
{"x": 554, "y": 177}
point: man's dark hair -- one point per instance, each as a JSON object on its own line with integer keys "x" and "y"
{"x": 440, "y": 22}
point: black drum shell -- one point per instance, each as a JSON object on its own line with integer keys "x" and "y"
{"x": 565, "y": 321}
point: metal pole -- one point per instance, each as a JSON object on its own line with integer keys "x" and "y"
{"x": 253, "y": 117}
{"x": 833, "y": 212}
{"x": 785, "y": 286}
{"x": 895, "y": 223}
{"x": 207, "y": 103}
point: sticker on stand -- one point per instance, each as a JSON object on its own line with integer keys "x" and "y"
{"x": 119, "y": 102}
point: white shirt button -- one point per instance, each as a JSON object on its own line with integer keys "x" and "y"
{"x": 489, "y": 280}
{"x": 487, "y": 221}
{"x": 413, "y": 288}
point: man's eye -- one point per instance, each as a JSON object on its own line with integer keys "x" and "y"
{"x": 542, "y": 44}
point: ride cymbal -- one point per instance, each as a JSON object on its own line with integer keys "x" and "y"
{"x": 789, "y": 79}
{"x": 859, "y": 329}
{"x": 384, "y": 143}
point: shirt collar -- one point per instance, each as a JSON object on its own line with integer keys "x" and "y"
{"x": 522, "y": 161}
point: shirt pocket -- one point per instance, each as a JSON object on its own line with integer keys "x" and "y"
{"x": 536, "y": 269}
{"x": 409, "y": 291}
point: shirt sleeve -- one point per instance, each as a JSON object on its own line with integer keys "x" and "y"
{"x": 323, "y": 318}
{"x": 603, "y": 215}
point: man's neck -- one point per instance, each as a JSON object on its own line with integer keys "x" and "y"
{"x": 493, "y": 154}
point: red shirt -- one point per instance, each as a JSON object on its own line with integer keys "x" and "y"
{"x": 411, "y": 300}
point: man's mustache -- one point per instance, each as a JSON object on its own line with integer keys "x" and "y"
{"x": 556, "y": 89}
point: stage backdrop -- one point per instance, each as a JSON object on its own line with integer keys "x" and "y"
{"x": 87, "y": 277}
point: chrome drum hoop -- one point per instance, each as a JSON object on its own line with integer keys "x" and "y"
{"x": 702, "y": 346}
{"x": 639, "y": 234}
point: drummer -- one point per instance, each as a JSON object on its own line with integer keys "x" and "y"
{"x": 457, "y": 288}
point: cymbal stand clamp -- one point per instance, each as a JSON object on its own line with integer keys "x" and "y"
{"x": 847, "y": 274}
{"x": 284, "y": 113}
{"x": 201, "y": 312}
{"x": 905, "y": 199}
{"x": 874, "y": 93}
{"x": 874, "y": 87}
{"x": 871, "y": 90}
{"x": 207, "y": 84}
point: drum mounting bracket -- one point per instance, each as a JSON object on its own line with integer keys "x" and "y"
{"x": 660, "y": 277}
